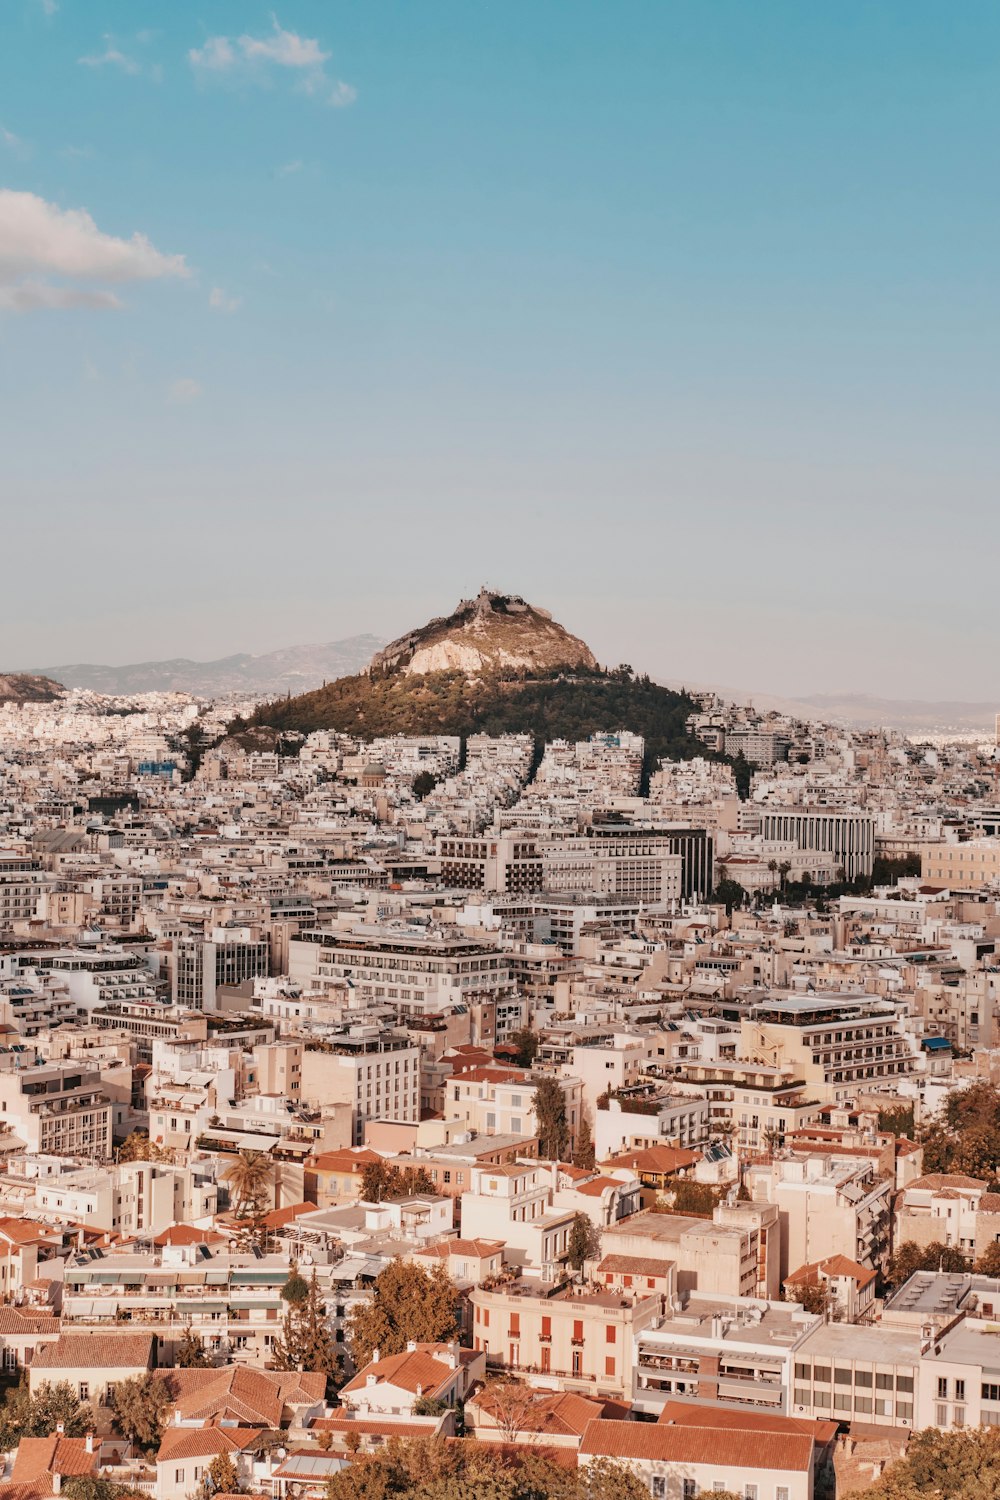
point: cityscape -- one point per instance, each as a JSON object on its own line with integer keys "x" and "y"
{"x": 499, "y": 751}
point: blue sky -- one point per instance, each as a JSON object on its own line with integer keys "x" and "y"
{"x": 680, "y": 319}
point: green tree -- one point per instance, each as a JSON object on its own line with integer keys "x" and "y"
{"x": 526, "y": 1042}
{"x": 550, "y": 1119}
{"x": 90, "y": 1487}
{"x": 988, "y": 1263}
{"x": 25, "y": 1415}
{"x": 296, "y": 1289}
{"x": 222, "y": 1477}
{"x": 191, "y": 1353}
{"x": 911, "y": 1257}
{"x": 140, "y": 1406}
{"x": 138, "y": 1147}
{"x": 730, "y": 894}
{"x": 584, "y": 1241}
{"x": 959, "y": 1465}
{"x": 584, "y": 1156}
{"x": 423, "y": 784}
{"x": 381, "y": 1180}
{"x": 249, "y": 1178}
{"x": 407, "y": 1302}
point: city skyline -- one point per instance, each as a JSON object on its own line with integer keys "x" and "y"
{"x": 681, "y": 323}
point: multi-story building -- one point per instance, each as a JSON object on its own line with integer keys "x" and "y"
{"x": 203, "y": 966}
{"x": 374, "y": 1072}
{"x": 829, "y": 1205}
{"x": 58, "y": 1108}
{"x": 834, "y": 1044}
{"x": 496, "y": 862}
{"x": 970, "y": 866}
{"x": 571, "y": 1341}
{"x": 846, "y": 833}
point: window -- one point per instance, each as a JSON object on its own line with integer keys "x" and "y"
{"x": 802, "y": 1372}
{"x": 821, "y": 1375}
{"x": 883, "y": 1382}
{"x": 689, "y": 1489}
{"x": 863, "y": 1377}
{"x": 84, "y": 1390}
{"x": 659, "y": 1488}
{"x": 959, "y": 1390}
{"x": 990, "y": 1392}
{"x": 178, "y": 1476}
{"x": 609, "y": 1367}
{"x": 941, "y": 1415}
{"x": 942, "y": 1388}
{"x": 749, "y": 1492}
{"x": 781, "y": 1492}
{"x": 610, "y": 1333}
{"x": 904, "y": 1383}
{"x": 841, "y": 1377}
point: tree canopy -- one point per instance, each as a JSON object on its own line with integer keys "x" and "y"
{"x": 381, "y": 1179}
{"x": 407, "y": 1302}
{"x": 550, "y": 1119}
{"x": 471, "y": 1470}
{"x": 961, "y": 1465}
{"x": 910, "y": 1257}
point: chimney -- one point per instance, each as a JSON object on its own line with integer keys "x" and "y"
{"x": 453, "y": 1356}
{"x": 89, "y": 1441}
{"x": 56, "y": 1483}
{"x": 420, "y": 1390}
{"x": 411, "y": 1346}
{"x": 60, "y": 1429}
{"x": 376, "y": 1356}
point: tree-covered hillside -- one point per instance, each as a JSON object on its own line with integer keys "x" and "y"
{"x": 555, "y": 706}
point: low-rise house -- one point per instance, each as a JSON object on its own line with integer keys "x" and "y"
{"x": 849, "y": 1288}
{"x": 434, "y": 1372}
{"x": 185, "y": 1455}
{"x": 92, "y": 1364}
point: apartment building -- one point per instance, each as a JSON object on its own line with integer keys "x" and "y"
{"x": 757, "y": 1106}
{"x": 374, "y": 1072}
{"x": 829, "y": 1205}
{"x": 501, "y": 1101}
{"x": 572, "y": 1341}
{"x": 58, "y": 1109}
{"x": 641, "y": 868}
{"x": 419, "y": 971}
{"x": 863, "y": 1375}
{"x": 496, "y": 862}
{"x": 735, "y": 1353}
{"x": 203, "y": 966}
{"x": 130, "y": 1198}
{"x": 736, "y": 1253}
{"x": 513, "y": 1203}
{"x": 21, "y": 883}
{"x": 834, "y": 1044}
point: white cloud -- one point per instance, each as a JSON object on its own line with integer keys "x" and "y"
{"x": 112, "y": 56}
{"x": 252, "y": 57}
{"x": 39, "y": 240}
{"x": 290, "y": 168}
{"x": 218, "y": 300}
{"x": 285, "y": 48}
{"x": 91, "y": 373}
{"x": 11, "y": 141}
{"x": 342, "y": 95}
{"x": 48, "y": 7}
{"x": 216, "y": 56}
{"x": 181, "y": 392}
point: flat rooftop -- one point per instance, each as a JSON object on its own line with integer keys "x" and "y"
{"x": 869, "y": 1345}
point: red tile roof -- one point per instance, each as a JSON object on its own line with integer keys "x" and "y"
{"x": 737, "y": 1448}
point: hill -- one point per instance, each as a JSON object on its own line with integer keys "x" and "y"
{"x": 549, "y": 705}
{"x": 28, "y": 687}
{"x": 295, "y": 669}
{"x": 493, "y": 633}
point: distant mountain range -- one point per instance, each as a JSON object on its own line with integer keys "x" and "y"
{"x": 911, "y": 716}
{"x": 297, "y": 669}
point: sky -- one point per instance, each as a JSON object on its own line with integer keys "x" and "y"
{"x": 678, "y": 317}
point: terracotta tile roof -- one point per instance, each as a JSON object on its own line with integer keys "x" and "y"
{"x": 345, "y": 1159}
{"x": 934, "y": 1181}
{"x": 564, "y": 1414}
{"x": 186, "y": 1234}
{"x": 406, "y": 1371}
{"x": 664, "y": 1159}
{"x": 684, "y": 1414}
{"x": 736, "y": 1448}
{"x": 36, "y": 1457}
{"x": 278, "y": 1217}
{"x": 464, "y": 1247}
{"x": 204, "y": 1442}
{"x": 237, "y": 1393}
{"x": 989, "y": 1203}
{"x": 26, "y": 1232}
{"x": 13, "y": 1321}
{"x": 95, "y": 1351}
{"x": 598, "y": 1186}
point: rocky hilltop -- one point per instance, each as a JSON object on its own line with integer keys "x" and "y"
{"x": 492, "y": 633}
{"x": 26, "y": 687}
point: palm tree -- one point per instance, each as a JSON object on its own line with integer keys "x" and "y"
{"x": 249, "y": 1178}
